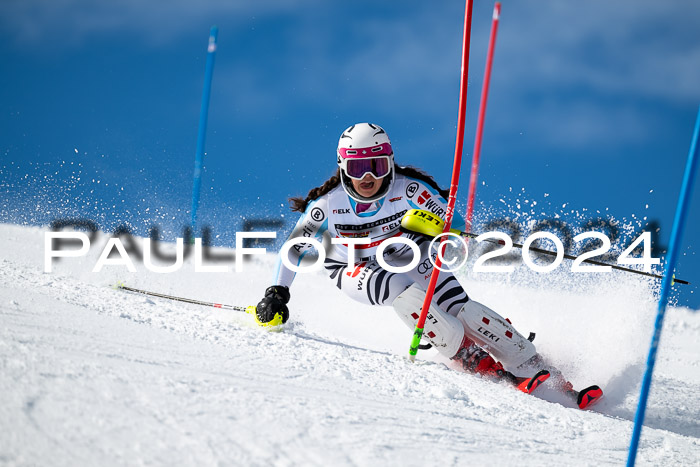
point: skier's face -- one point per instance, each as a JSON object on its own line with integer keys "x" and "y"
{"x": 368, "y": 186}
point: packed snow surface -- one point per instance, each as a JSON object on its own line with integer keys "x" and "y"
{"x": 91, "y": 375}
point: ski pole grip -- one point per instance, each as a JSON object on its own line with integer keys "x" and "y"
{"x": 424, "y": 222}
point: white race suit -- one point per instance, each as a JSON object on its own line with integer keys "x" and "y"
{"x": 452, "y": 317}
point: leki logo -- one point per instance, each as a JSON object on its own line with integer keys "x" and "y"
{"x": 425, "y": 196}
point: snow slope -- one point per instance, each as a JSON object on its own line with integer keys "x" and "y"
{"x": 90, "y": 375}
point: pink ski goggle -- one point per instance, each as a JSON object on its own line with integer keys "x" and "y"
{"x": 356, "y": 163}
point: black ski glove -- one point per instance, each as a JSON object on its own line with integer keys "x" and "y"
{"x": 272, "y": 310}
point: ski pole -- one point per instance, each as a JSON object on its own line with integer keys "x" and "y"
{"x": 426, "y": 223}
{"x": 418, "y": 332}
{"x": 482, "y": 115}
{"x": 223, "y": 306}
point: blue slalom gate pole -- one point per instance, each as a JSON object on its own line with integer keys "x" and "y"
{"x": 674, "y": 247}
{"x": 204, "y": 111}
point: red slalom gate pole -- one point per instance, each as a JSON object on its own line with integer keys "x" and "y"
{"x": 418, "y": 333}
{"x": 482, "y": 114}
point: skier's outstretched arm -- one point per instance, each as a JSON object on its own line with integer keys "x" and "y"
{"x": 272, "y": 309}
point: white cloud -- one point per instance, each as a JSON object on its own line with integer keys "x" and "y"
{"x": 580, "y": 63}
{"x": 629, "y": 48}
{"x": 68, "y": 23}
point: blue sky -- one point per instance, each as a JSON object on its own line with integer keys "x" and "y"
{"x": 591, "y": 109}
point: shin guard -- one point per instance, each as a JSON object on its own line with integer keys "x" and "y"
{"x": 444, "y": 331}
{"x": 495, "y": 335}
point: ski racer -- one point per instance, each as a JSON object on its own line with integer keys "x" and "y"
{"x": 366, "y": 200}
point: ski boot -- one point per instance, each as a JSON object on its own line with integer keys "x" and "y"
{"x": 476, "y": 360}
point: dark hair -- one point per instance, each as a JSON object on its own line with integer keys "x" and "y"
{"x": 300, "y": 204}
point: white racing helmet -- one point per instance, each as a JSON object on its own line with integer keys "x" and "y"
{"x": 365, "y": 148}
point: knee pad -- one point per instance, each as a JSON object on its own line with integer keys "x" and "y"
{"x": 444, "y": 331}
{"x": 495, "y": 335}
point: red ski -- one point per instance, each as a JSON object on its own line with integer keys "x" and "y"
{"x": 527, "y": 385}
{"x": 584, "y": 398}
{"x": 587, "y": 397}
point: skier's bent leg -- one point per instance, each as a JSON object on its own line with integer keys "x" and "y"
{"x": 446, "y": 333}
{"x": 495, "y": 335}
